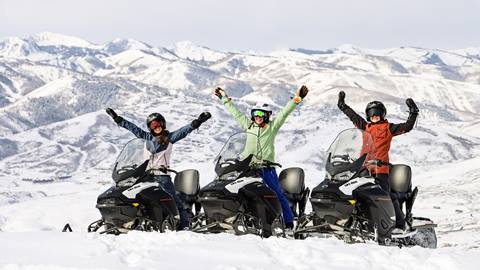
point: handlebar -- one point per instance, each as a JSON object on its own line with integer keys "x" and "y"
{"x": 377, "y": 162}
{"x": 162, "y": 169}
{"x": 267, "y": 163}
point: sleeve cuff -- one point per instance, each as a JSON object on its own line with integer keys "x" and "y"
{"x": 296, "y": 99}
{"x": 226, "y": 100}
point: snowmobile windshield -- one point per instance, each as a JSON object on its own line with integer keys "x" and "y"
{"x": 240, "y": 150}
{"x": 348, "y": 153}
{"x": 131, "y": 162}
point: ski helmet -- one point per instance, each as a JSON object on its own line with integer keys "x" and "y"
{"x": 375, "y": 108}
{"x": 262, "y": 110}
{"x": 156, "y": 117}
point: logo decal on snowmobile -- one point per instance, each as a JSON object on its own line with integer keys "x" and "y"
{"x": 132, "y": 192}
{"x": 351, "y": 185}
{"x": 238, "y": 184}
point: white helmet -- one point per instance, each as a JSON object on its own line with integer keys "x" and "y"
{"x": 263, "y": 110}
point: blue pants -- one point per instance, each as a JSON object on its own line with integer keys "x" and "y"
{"x": 166, "y": 184}
{"x": 270, "y": 178}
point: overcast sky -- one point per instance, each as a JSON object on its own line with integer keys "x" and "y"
{"x": 253, "y": 24}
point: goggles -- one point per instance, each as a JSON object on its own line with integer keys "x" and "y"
{"x": 259, "y": 113}
{"x": 374, "y": 111}
{"x": 154, "y": 124}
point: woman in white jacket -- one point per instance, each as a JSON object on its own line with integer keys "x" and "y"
{"x": 159, "y": 143}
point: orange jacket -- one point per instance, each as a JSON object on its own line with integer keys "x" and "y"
{"x": 382, "y": 134}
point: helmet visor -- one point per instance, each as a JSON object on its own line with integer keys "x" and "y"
{"x": 258, "y": 113}
{"x": 374, "y": 111}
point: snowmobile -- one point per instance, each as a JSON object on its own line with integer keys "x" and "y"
{"x": 350, "y": 205}
{"x": 136, "y": 201}
{"x": 237, "y": 200}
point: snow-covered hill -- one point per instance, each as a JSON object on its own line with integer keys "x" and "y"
{"x": 57, "y": 144}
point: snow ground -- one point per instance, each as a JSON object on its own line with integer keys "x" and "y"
{"x": 31, "y": 237}
{"x": 186, "y": 250}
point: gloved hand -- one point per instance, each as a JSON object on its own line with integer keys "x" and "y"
{"x": 201, "y": 119}
{"x": 302, "y": 91}
{"x": 341, "y": 100}
{"x": 114, "y": 115}
{"x": 219, "y": 92}
{"x": 412, "y": 107}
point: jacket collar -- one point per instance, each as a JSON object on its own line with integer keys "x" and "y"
{"x": 263, "y": 125}
{"x": 379, "y": 122}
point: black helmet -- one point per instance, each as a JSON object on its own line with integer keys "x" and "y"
{"x": 156, "y": 117}
{"x": 261, "y": 107}
{"x": 375, "y": 108}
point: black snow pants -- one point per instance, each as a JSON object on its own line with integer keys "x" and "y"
{"x": 382, "y": 179}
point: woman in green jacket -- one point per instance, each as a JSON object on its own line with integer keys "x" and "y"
{"x": 266, "y": 130}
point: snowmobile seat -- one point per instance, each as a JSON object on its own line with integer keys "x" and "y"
{"x": 187, "y": 186}
{"x": 400, "y": 178}
{"x": 188, "y": 182}
{"x": 401, "y": 184}
{"x": 292, "y": 181}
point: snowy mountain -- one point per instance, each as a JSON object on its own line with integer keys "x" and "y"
{"x": 57, "y": 144}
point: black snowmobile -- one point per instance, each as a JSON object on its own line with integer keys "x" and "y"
{"x": 350, "y": 205}
{"x": 237, "y": 201}
{"x": 136, "y": 201}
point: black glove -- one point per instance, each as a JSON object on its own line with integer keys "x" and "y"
{"x": 114, "y": 115}
{"x": 201, "y": 118}
{"x": 412, "y": 106}
{"x": 341, "y": 100}
{"x": 219, "y": 92}
{"x": 303, "y": 91}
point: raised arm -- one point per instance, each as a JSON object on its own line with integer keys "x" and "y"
{"x": 138, "y": 132}
{"x": 356, "y": 119}
{"x": 397, "y": 129}
{"x": 291, "y": 105}
{"x": 241, "y": 118}
{"x": 182, "y": 132}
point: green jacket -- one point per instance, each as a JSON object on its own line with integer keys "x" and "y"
{"x": 260, "y": 141}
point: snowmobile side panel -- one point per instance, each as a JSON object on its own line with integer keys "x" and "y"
{"x": 158, "y": 203}
{"x": 262, "y": 203}
{"x": 377, "y": 205}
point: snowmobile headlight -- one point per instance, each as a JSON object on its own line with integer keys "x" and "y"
{"x": 352, "y": 202}
{"x": 343, "y": 176}
{"x": 109, "y": 201}
{"x": 135, "y": 204}
{"x": 127, "y": 182}
{"x": 230, "y": 176}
